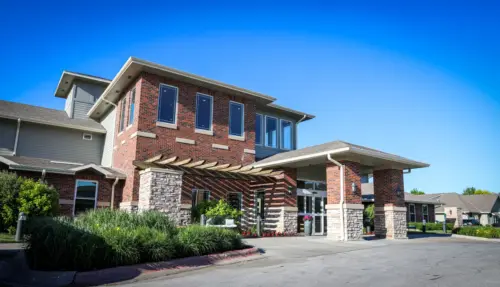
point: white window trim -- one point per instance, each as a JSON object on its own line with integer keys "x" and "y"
{"x": 129, "y": 124}
{"x": 261, "y": 129}
{"x": 277, "y": 132}
{"x": 281, "y": 136}
{"x": 427, "y": 213}
{"x": 198, "y": 190}
{"x": 211, "y": 113}
{"x": 414, "y": 213}
{"x": 85, "y": 198}
{"x": 242, "y": 135}
{"x": 176, "y": 105}
{"x": 87, "y": 134}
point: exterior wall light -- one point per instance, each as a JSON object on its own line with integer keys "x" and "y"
{"x": 353, "y": 186}
{"x": 398, "y": 190}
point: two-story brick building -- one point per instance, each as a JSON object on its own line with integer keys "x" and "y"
{"x": 158, "y": 138}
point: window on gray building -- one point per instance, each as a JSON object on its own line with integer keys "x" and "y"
{"x": 167, "y": 104}
{"x": 204, "y": 105}
{"x": 258, "y": 129}
{"x": 236, "y": 118}
{"x": 271, "y": 132}
{"x": 286, "y": 134}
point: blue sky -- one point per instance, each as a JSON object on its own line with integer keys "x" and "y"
{"x": 419, "y": 80}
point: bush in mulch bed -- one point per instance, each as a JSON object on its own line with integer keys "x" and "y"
{"x": 108, "y": 238}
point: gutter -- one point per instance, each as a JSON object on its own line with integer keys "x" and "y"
{"x": 17, "y": 136}
{"x": 342, "y": 191}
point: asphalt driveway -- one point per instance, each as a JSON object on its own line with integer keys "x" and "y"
{"x": 433, "y": 261}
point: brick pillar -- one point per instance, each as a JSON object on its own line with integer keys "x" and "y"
{"x": 390, "y": 209}
{"x": 160, "y": 189}
{"x": 353, "y": 208}
{"x": 287, "y": 212}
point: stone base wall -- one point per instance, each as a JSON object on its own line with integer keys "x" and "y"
{"x": 288, "y": 220}
{"x": 160, "y": 189}
{"x": 184, "y": 217}
{"x": 390, "y": 222}
{"x": 353, "y": 221}
{"x": 130, "y": 206}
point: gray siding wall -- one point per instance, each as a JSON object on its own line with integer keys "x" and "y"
{"x": 68, "y": 107}
{"x": 108, "y": 122}
{"x": 261, "y": 151}
{"x": 59, "y": 144}
{"x": 84, "y": 98}
{"x": 8, "y": 130}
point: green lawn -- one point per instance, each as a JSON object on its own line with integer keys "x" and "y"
{"x": 6, "y": 238}
{"x": 430, "y": 231}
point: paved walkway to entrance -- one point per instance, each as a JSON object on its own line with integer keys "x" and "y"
{"x": 315, "y": 261}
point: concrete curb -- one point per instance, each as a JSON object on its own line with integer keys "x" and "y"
{"x": 136, "y": 272}
{"x": 475, "y": 238}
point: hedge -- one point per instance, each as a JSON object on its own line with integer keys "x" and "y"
{"x": 431, "y": 226}
{"x": 478, "y": 231}
{"x": 107, "y": 238}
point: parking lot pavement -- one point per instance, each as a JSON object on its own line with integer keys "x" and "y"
{"x": 433, "y": 261}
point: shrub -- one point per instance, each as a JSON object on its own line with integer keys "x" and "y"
{"x": 9, "y": 191}
{"x": 201, "y": 208}
{"x": 106, "y": 238}
{"x": 478, "y": 231}
{"x": 223, "y": 210}
{"x": 431, "y": 226}
{"x": 37, "y": 198}
{"x": 369, "y": 215}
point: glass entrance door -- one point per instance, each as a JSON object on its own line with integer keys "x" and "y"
{"x": 310, "y": 202}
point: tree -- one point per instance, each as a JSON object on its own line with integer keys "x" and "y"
{"x": 416, "y": 191}
{"x": 483, "y": 191}
{"x": 469, "y": 191}
{"x": 38, "y": 199}
{"x": 369, "y": 215}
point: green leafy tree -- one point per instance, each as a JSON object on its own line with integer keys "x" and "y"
{"x": 9, "y": 192}
{"x": 469, "y": 191}
{"x": 38, "y": 199}
{"x": 223, "y": 210}
{"x": 483, "y": 191}
{"x": 369, "y": 214}
{"x": 416, "y": 191}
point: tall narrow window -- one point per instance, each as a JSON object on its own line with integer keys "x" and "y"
{"x": 236, "y": 119}
{"x": 412, "y": 213}
{"x": 258, "y": 129}
{"x": 85, "y": 196}
{"x": 167, "y": 104}
{"x": 131, "y": 108}
{"x": 286, "y": 134}
{"x": 204, "y": 112}
{"x": 122, "y": 113}
{"x": 199, "y": 196}
{"x": 271, "y": 132}
{"x": 234, "y": 199}
{"x": 425, "y": 212}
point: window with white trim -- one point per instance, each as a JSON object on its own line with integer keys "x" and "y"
{"x": 122, "y": 113}
{"x": 271, "y": 134}
{"x": 204, "y": 109}
{"x": 258, "y": 129}
{"x": 85, "y": 195}
{"x": 167, "y": 104}
{"x": 236, "y": 119}
{"x": 87, "y": 137}
{"x": 234, "y": 199}
{"x": 412, "y": 213}
{"x": 131, "y": 108}
{"x": 199, "y": 195}
{"x": 286, "y": 134}
{"x": 425, "y": 212}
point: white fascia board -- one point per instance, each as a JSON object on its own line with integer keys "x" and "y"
{"x": 303, "y": 157}
{"x": 388, "y": 157}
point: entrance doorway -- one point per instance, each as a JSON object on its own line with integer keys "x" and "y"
{"x": 312, "y": 202}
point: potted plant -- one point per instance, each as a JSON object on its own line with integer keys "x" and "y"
{"x": 308, "y": 225}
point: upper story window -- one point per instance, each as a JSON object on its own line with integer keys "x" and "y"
{"x": 236, "y": 119}
{"x": 271, "y": 132}
{"x": 131, "y": 108}
{"x": 204, "y": 106}
{"x": 286, "y": 134}
{"x": 258, "y": 129}
{"x": 122, "y": 113}
{"x": 167, "y": 104}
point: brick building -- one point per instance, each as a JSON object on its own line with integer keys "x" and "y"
{"x": 158, "y": 138}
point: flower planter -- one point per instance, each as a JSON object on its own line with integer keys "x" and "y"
{"x": 308, "y": 228}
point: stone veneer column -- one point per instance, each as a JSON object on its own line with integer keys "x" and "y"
{"x": 286, "y": 187}
{"x": 353, "y": 208}
{"x": 390, "y": 210}
{"x": 160, "y": 189}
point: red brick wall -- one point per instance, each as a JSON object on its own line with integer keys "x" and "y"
{"x": 352, "y": 175}
{"x": 65, "y": 185}
{"x": 418, "y": 212}
{"x": 165, "y": 142}
{"x": 385, "y": 184}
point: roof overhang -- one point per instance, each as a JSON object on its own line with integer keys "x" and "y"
{"x": 134, "y": 66}
{"x": 67, "y": 79}
{"x": 366, "y": 157}
{"x": 294, "y": 114}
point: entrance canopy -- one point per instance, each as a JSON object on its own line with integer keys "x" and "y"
{"x": 310, "y": 161}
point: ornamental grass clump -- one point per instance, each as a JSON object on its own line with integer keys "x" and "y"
{"x": 108, "y": 238}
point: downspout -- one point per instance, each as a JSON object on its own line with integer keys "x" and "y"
{"x": 113, "y": 193}
{"x": 342, "y": 191}
{"x": 17, "y": 136}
